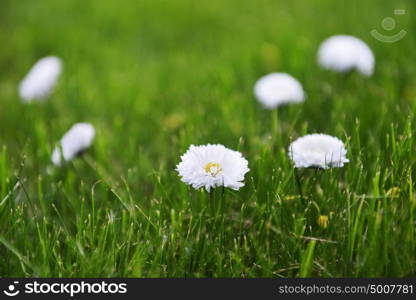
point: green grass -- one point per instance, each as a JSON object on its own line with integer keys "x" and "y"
{"x": 156, "y": 76}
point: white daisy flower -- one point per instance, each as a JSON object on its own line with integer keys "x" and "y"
{"x": 41, "y": 79}
{"x": 342, "y": 53}
{"x": 277, "y": 89}
{"x": 75, "y": 141}
{"x": 210, "y": 166}
{"x": 318, "y": 150}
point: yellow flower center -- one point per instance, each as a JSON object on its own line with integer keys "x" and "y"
{"x": 212, "y": 168}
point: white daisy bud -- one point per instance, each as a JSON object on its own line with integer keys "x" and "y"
{"x": 75, "y": 141}
{"x": 319, "y": 151}
{"x": 41, "y": 79}
{"x": 211, "y": 166}
{"x": 343, "y": 53}
{"x": 276, "y": 89}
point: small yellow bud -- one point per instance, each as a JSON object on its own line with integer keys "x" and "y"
{"x": 323, "y": 221}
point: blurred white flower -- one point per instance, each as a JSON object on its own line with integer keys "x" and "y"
{"x": 343, "y": 52}
{"x": 318, "y": 150}
{"x": 40, "y": 80}
{"x": 211, "y": 166}
{"x": 75, "y": 141}
{"x": 277, "y": 89}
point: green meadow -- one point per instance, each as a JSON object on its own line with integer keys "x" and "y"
{"x": 154, "y": 77}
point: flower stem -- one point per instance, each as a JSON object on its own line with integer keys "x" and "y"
{"x": 275, "y": 121}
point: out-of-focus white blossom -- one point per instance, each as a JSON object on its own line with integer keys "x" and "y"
{"x": 41, "y": 79}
